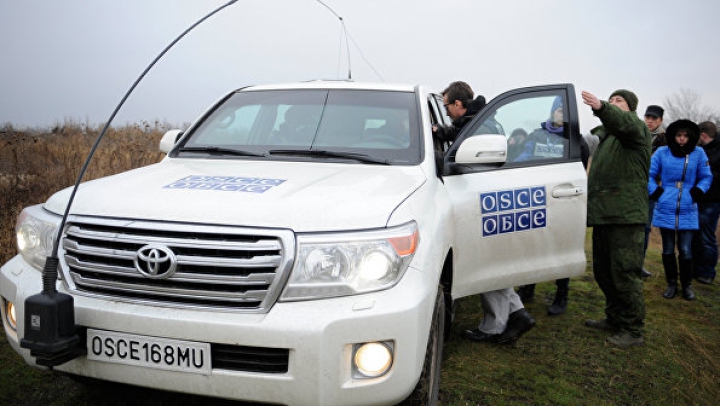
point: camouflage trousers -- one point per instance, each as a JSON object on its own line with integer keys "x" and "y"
{"x": 617, "y": 262}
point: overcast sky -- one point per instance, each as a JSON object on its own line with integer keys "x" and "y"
{"x": 75, "y": 59}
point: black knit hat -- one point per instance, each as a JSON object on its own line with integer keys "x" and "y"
{"x": 630, "y": 98}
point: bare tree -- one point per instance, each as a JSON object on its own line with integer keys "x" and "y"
{"x": 686, "y": 104}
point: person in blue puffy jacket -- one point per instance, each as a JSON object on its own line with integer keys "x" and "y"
{"x": 679, "y": 177}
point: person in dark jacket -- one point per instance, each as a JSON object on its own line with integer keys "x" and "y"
{"x": 505, "y": 318}
{"x": 679, "y": 177}
{"x": 705, "y": 248}
{"x": 461, "y": 108}
{"x": 653, "y": 120}
{"x": 617, "y": 210}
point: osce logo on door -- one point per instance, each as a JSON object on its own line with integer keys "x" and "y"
{"x": 511, "y": 211}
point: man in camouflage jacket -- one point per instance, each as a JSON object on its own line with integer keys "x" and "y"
{"x": 618, "y": 210}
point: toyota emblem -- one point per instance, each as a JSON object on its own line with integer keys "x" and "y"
{"x": 155, "y": 261}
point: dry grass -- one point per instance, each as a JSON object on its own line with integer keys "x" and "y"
{"x": 35, "y": 163}
{"x": 559, "y": 362}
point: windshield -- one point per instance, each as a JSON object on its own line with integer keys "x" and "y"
{"x": 360, "y": 126}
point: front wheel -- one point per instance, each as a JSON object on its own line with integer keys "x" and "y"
{"x": 428, "y": 387}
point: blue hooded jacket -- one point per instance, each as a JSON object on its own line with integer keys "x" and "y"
{"x": 675, "y": 207}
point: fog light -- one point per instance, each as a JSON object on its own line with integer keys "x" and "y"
{"x": 10, "y": 315}
{"x": 373, "y": 359}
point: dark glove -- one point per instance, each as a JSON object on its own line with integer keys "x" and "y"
{"x": 656, "y": 194}
{"x": 697, "y": 194}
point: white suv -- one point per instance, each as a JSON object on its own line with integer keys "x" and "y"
{"x": 303, "y": 244}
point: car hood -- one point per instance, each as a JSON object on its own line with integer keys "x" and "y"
{"x": 302, "y": 196}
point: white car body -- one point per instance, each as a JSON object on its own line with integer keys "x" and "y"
{"x": 458, "y": 249}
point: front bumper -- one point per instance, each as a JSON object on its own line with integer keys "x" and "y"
{"x": 319, "y": 335}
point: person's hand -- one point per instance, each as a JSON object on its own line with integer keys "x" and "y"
{"x": 591, "y": 100}
{"x": 439, "y": 131}
{"x": 656, "y": 194}
{"x": 697, "y": 194}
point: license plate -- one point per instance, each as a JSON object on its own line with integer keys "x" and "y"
{"x": 149, "y": 352}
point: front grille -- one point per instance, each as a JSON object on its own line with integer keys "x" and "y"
{"x": 250, "y": 359}
{"x": 213, "y": 266}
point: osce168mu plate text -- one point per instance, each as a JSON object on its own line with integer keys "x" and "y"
{"x": 150, "y": 352}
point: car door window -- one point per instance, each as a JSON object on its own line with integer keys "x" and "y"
{"x": 535, "y": 126}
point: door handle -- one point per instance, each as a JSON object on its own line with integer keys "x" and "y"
{"x": 568, "y": 191}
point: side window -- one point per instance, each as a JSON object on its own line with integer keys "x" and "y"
{"x": 534, "y": 128}
{"x": 438, "y": 116}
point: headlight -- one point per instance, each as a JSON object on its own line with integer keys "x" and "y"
{"x": 10, "y": 314}
{"x": 350, "y": 263}
{"x": 36, "y": 230}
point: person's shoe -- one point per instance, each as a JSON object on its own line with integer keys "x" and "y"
{"x": 670, "y": 292}
{"x": 687, "y": 293}
{"x": 558, "y": 305}
{"x": 519, "y": 323}
{"x": 526, "y": 293}
{"x": 624, "y": 339}
{"x": 479, "y": 336}
{"x": 601, "y": 325}
{"x": 705, "y": 280}
{"x": 644, "y": 273}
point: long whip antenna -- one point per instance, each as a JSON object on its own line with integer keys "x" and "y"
{"x": 50, "y": 331}
{"x": 114, "y": 113}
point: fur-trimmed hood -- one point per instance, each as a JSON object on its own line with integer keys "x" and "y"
{"x": 693, "y": 134}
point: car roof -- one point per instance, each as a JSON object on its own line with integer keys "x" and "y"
{"x": 334, "y": 84}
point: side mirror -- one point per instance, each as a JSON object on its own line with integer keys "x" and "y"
{"x": 168, "y": 141}
{"x": 482, "y": 149}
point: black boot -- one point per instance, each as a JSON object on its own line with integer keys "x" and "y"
{"x": 671, "y": 275}
{"x": 526, "y": 293}
{"x": 561, "y": 295}
{"x": 686, "y": 279}
{"x": 519, "y": 322}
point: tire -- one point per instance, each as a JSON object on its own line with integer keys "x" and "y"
{"x": 449, "y": 314}
{"x": 428, "y": 387}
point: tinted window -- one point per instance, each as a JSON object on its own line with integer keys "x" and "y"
{"x": 380, "y": 124}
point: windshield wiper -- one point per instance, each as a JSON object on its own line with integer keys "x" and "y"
{"x": 220, "y": 151}
{"x": 364, "y": 158}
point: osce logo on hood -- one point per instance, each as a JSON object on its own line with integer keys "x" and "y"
{"x": 511, "y": 211}
{"x": 225, "y": 183}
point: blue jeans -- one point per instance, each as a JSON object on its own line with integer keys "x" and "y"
{"x": 684, "y": 242}
{"x": 705, "y": 246}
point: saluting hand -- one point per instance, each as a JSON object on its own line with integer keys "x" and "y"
{"x": 591, "y": 100}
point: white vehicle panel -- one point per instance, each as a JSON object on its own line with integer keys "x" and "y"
{"x": 497, "y": 254}
{"x": 302, "y": 196}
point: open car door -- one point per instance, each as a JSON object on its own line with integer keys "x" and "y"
{"x": 519, "y": 202}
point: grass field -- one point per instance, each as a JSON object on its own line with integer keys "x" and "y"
{"x": 559, "y": 362}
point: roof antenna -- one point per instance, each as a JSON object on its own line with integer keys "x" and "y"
{"x": 344, "y": 34}
{"x": 50, "y": 332}
{"x": 347, "y": 46}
